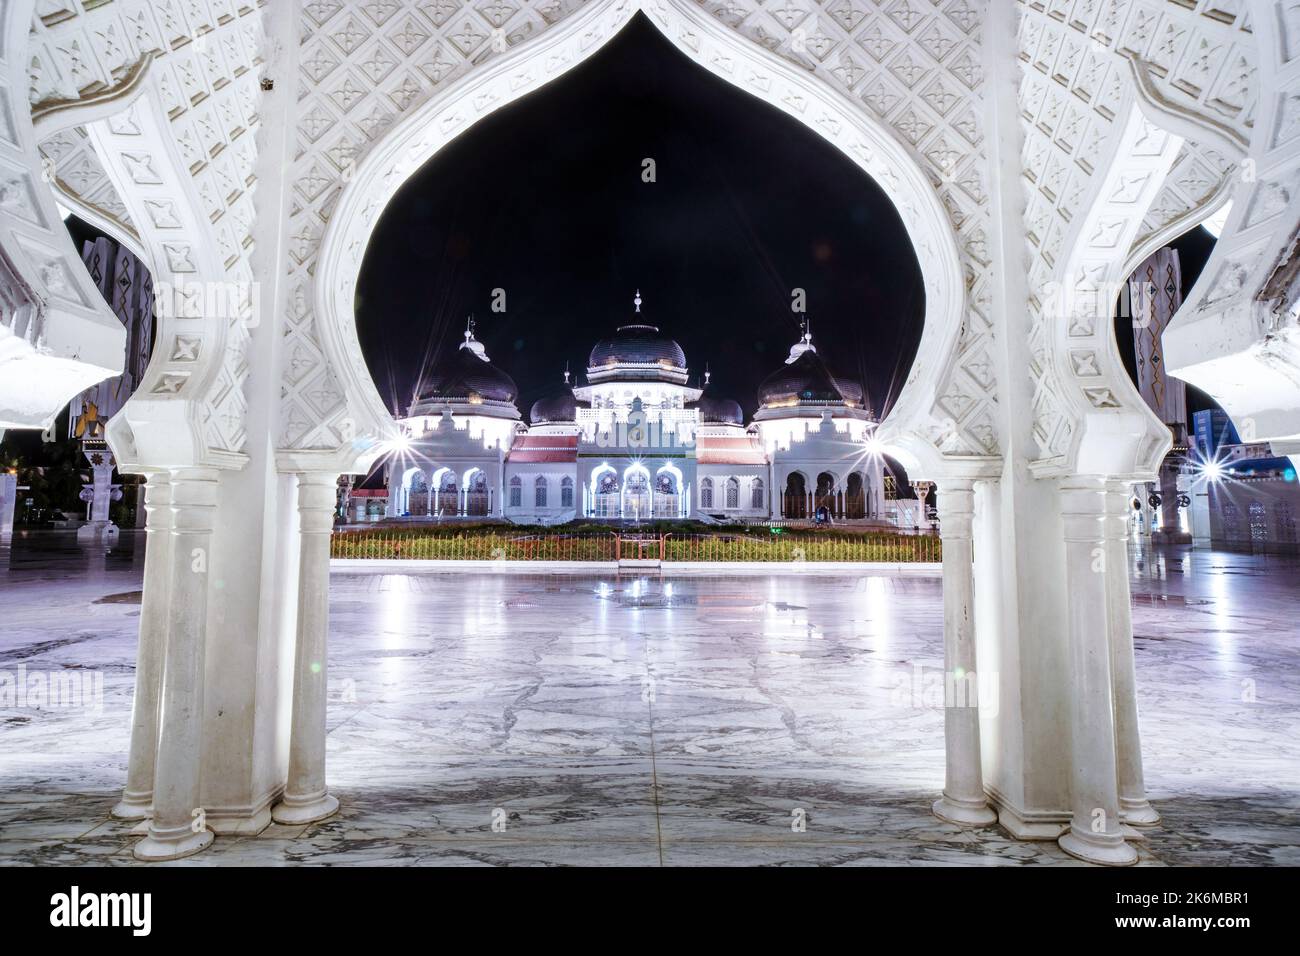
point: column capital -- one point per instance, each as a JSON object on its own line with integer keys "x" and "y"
{"x": 956, "y": 507}
{"x": 1118, "y": 496}
{"x": 193, "y": 499}
{"x": 1083, "y": 508}
{"x": 157, "y": 494}
{"x": 317, "y": 498}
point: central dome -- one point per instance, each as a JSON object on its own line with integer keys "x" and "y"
{"x": 806, "y": 379}
{"x": 637, "y": 345}
{"x": 464, "y": 377}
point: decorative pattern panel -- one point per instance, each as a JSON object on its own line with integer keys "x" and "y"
{"x": 1237, "y": 335}
{"x": 72, "y": 166}
{"x": 913, "y": 65}
{"x": 56, "y": 334}
{"x": 1081, "y": 62}
{"x": 203, "y": 80}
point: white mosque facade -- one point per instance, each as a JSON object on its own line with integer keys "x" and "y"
{"x": 637, "y": 441}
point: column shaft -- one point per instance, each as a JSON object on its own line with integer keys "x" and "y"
{"x": 1094, "y": 833}
{"x": 305, "y": 796}
{"x": 963, "y": 801}
{"x": 1133, "y": 805}
{"x": 137, "y": 797}
{"x": 178, "y": 828}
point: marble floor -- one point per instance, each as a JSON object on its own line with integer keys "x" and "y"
{"x": 481, "y": 719}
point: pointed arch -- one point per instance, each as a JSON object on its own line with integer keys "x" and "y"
{"x": 730, "y": 56}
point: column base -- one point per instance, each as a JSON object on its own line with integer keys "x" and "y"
{"x": 133, "y": 806}
{"x": 964, "y": 813}
{"x": 156, "y": 848}
{"x": 1138, "y": 813}
{"x": 1099, "y": 848}
{"x": 295, "y": 811}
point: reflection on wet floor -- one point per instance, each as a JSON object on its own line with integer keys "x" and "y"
{"x": 658, "y": 719}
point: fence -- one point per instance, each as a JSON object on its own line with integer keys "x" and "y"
{"x": 611, "y": 546}
{"x": 893, "y": 548}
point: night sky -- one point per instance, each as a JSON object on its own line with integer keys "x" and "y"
{"x": 545, "y": 199}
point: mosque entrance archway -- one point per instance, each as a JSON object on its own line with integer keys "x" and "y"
{"x": 855, "y": 499}
{"x": 795, "y": 502}
{"x": 636, "y": 493}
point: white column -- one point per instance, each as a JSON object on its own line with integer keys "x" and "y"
{"x": 1094, "y": 834}
{"x": 8, "y": 500}
{"x": 178, "y": 827}
{"x": 101, "y": 473}
{"x": 1134, "y": 807}
{"x": 305, "y": 797}
{"x": 137, "y": 797}
{"x": 1148, "y": 513}
{"x": 963, "y": 801}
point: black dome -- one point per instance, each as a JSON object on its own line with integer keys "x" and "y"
{"x": 465, "y": 376}
{"x": 718, "y": 411}
{"x": 806, "y": 379}
{"x": 561, "y": 407}
{"x": 851, "y": 389}
{"x": 637, "y": 344}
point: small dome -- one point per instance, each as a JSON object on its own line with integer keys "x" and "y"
{"x": 637, "y": 345}
{"x": 718, "y": 411}
{"x": 806, "y": 379}
{"x": 560, "y": 408}
{"x": 465, "y": 377}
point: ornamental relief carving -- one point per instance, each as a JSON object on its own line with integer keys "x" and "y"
{"x": 911, "y": 64}
{"x": 1084, "y": 221}
{"x": 199, "y": 61}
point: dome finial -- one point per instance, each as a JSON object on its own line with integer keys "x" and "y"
{"x": 471, "y": 343}
{"x": 566, "y": 373}
{"x": 805, "y": 340}
{"x": 637, "y": 300}
{"x": 707, "y": 373}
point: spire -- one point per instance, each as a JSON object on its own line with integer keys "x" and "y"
{"x": 637, "y": 301}
{"x": 471, "y": 343}
{"x": 805, "y": 340}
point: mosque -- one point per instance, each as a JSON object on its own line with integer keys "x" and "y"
{"x": 637, "y": 441}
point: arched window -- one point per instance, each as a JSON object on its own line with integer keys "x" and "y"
{"x": 756, "y": 500}
{"x": 539, "y": 492}
{"x": 566, "y": 493}
{"x": 516, "y": 492}
{"x": 733, "y": 493}
{"x": 706, "y": 493}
